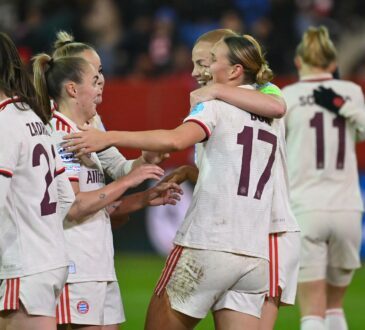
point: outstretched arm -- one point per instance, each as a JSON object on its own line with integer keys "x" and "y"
{"x": 91, "y": 139}
{"x": 266, "y": 102}
{"x": 87, "y": 203}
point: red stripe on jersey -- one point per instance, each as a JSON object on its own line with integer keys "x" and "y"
{"x": 73, "y": 179}
{"x": 60, "y": 171}
{"x": 60, "y": 121}
{"x": 4, "y": 103}
{"x": 203, "y": 126}
{"x": 6, "y": 173}
{"x": 276, "y": 265}
{"x": 170, "y": 265}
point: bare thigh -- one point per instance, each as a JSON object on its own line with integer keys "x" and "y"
{"x": 160, "y": 316}
{"x": 226, "y": 319}
{"x": 22, "y": 320}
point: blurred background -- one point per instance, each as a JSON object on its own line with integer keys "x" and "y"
{"x": 145, "y": 48}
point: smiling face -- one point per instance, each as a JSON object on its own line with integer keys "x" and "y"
{"x": 220, "y": 67}
{"x": 201, "y": 60}
{"x": 88, "y": 93}
{"x": 93, "y": 58}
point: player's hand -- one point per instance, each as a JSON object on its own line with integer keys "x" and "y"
{"x": 88, "y": 140}
{"x": 142, "y": 173}
{"x": 162, "y": 194}
{"x": 329, "y": 99}
{"x": 182, "y": 174}
{"x": 203, "y": 94}
{"x": 152, "y": 157}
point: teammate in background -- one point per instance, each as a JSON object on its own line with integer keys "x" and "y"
{"x": 34, "y": 196}
{"x": 284, "y": 238}
{"x": 91, "y": 297}
{"x": 325, "y": 192}
{"x": 215, "y": 246}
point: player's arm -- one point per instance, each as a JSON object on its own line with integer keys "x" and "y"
{"x": 266, "y": 101}
{"x": 90, "y": 139}
{"x": 183, "y": 173}
{"x": 87, "y": 203}
{"x": 161, "y": 194}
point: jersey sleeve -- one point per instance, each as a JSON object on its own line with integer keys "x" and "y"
{"x": 270, "y": 89}
{"x": 66, "y": 195}
{"x": 114, "y": 163}
{"x": 205, "y": 115}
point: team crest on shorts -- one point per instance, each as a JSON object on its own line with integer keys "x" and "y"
{"x": 82, "y": 307}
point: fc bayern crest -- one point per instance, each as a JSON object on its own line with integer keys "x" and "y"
{"x": 82, "y": 307}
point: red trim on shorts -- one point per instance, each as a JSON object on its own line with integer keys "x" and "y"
{"x": 11, "y": 301}
{"x": 274, "y": 265}
{"x": 6, "y": 173}
{"x": 63, "y": 311}
{"x": 170, "y": 265}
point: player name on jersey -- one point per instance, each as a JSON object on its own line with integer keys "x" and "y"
{"x": 37, "y": 128}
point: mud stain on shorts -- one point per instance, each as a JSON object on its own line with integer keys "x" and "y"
{"x": 185, "y": 278}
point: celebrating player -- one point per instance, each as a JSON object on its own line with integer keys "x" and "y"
{"x": 91, "y": 298}
{"x": 215, "y": 246}
{"x": 325, "y": 193}
{"x": 284, "y": 239}
{"x": 34, "y": 197}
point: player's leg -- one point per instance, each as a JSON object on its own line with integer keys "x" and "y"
{"x": 344, "y": 258}
{"x": 160, "y": 315}
{"x": 311, "y": 295}
{"x": 226, "y": 319}
{"x": 269, "y": 313}
{"x": 20, "y": 319}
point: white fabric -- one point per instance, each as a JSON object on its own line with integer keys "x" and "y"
{"x": 220, "y": 217}
{"x": 335, "y": 319}
{"x": 93, "y": 303}
{"x": 317, "y": 184}
{"x": 202, "y": 277}
{"x": 89, "y": 242}
{"x": 312, "y": 322}
{"x": 38, "y": 292}
{"x": 28, "y": 189}
{"x": 282, "y": 216}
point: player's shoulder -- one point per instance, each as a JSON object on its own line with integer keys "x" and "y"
{"x": 60, "y": 124}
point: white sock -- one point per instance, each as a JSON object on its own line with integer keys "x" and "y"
{"x": 335, "y": 319}
{"x": 312, "y": 322}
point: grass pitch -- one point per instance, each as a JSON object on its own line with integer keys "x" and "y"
{"x": 138, "y": 274}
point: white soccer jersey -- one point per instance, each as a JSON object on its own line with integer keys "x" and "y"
{"x": 89, "y": 242}
{"x": 321, "y": 148}
{"x": 282, "y": 217}
{"x": 232, "y": 199}
{"x": 31, "y": 234}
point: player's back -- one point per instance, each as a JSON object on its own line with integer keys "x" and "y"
{"x": 31, "y": 231}
{"x": 321, "y": 155}
{"x": 231, "y": 204}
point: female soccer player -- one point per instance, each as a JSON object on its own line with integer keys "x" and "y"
{"x": 91, "y": 297}
{"x": 34, "y": 196}
{"x": 216, "y": 253}
{"x": 325, "y": 193}
{"x": 284, "y": 238}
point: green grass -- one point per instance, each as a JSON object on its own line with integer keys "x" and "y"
{"x": 138, "y": 274}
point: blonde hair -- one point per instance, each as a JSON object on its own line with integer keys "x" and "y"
{"x": 215, "y": 35}
{"x": 65, "y": 45}
{"x": 245, "y": 50}
{"x": 50, "y": 74}
{"x": 316, "y": 48}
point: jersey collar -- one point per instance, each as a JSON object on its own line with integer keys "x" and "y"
{"x": 316, "y": 77}
{"x": 67, "y": 121}
{"x": 7, "y": 101}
